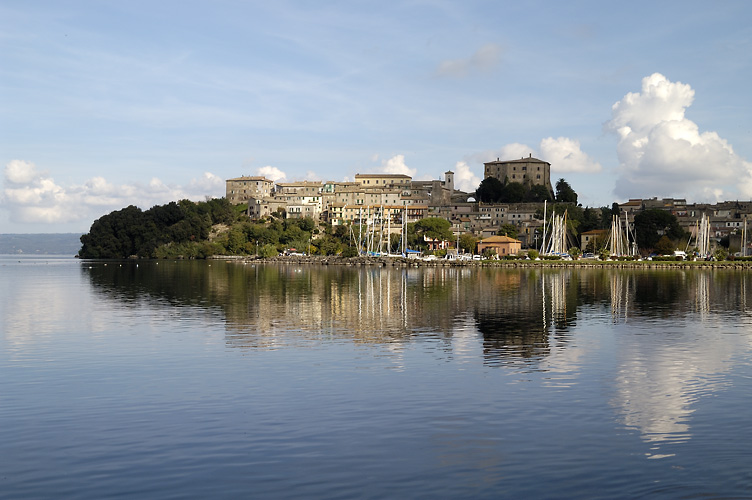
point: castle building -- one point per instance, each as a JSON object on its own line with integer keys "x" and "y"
{"x": 526, "y": 171}
{"x": 242, "y": 189}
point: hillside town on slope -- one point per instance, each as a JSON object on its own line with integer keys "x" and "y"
{"x": 395, "y": 198}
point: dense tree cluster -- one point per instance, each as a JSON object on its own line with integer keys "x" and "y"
{"x": 565, "y": 193}
{"x": 492, "y": 190}
{"x": 182, "y": 230}
{"x": 651, "y": 225}
{"x": 133, "y": 232}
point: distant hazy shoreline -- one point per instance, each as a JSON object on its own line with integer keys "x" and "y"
{"x": 40, "y": 244}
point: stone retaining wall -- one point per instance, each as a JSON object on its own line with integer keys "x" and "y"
{"x": 402, "y": 262}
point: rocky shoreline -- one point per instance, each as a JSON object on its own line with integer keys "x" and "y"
{"x": 402, "y": 262}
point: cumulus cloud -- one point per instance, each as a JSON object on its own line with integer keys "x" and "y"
{"x": 484, "y": 59}
{"x": 396, "y": 165}
{"x": 272, "y": 173}
{"x": 464, "y": 178}
{"x": 20, "y": 172}
{"x": 33, "y": 197}
{"x": 662, "y": 153}
{"x": 564, "y": 155}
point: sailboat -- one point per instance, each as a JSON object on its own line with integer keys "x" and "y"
{"x": 555, "y": 236}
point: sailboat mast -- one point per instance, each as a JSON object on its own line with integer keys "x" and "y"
{"x": 543, "y": 241}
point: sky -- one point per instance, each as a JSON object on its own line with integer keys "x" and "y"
{"x": 110, "y": 104}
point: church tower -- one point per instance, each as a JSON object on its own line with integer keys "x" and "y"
{"x": 449, "y": 180}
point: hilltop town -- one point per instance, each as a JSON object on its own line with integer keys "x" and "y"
{"x": 515, "y": 211}
{"x": 389, "y": 200}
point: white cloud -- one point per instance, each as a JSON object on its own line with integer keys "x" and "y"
{"x": 31, "y": 197}
{"x": 272, "y": 173}
{"x": 508, "y": 152}
{"x": 565, "y": 155}
{"x": 19, "y": 172}
{"x": 396, "y": 165}
{"x": 662, "y": 153}
{"x": 464, "y": 178}
{"x": 485, "y": 58}
{"x": 207, "y": 185}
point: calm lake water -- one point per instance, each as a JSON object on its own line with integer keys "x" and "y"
{"x": 214, "y": 379}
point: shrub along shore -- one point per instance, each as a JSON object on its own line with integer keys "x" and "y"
{"x": 402, "y": 262}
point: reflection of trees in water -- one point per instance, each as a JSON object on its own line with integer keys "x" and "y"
{"x": 521, "y": 314}
{"x": 270, "y": 305}
{"x": 516, "y": 312}
{"x": 666, "y": 293}
{"x": 371, "y": 304}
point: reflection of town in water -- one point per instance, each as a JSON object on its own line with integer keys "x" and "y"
{"x": 667, "y": 352}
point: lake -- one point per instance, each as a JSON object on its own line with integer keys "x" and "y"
{"x": 195, "y": 379}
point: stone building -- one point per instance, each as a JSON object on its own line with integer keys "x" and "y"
{"x": 241, "y": 189}
{"x": 384, "y": 180}
{"x": 526, "y": 171}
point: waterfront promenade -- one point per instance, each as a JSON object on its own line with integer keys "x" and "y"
{"x": 521, "y": 263}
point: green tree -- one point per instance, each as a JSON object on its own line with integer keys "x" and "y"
{"x": 538, "y": 194}
{"x": 306, "y": 224}
{"x": 236, "y": 241}
{"x": 513, "y": 192}
{"x": 395, "y": 240}
{"x": 651, "y": 224}
{"x": 490, "y": 190}
{"x": 328, "y": 245}
{"x": 565, "y": 193}
{"x": 665, "y": 246}
{"x": 268, "y": 250}
{"x": 508, "y": 230}
{"x": 435, "y": 228}
{"x": 349, "y": 252}
{"x": 590, "y": 220}
{"x": 468, "y": 242}
{"x": 117, "y": 235}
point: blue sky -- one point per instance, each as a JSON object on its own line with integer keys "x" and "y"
{"x": 107, "y": 104}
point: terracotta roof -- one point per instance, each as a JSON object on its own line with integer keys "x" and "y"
{"x": 500, "y": 239}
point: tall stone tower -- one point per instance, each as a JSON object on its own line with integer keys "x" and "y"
{"x": 449, "y": 180}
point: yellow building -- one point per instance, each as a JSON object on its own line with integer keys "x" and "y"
{"x": 384, "y": 180}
